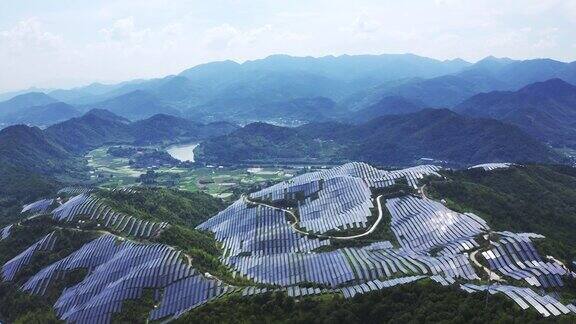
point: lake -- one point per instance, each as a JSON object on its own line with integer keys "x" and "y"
{"x": 182, "y": 152}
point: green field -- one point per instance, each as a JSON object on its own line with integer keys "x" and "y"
{"x": 221, "y": 182}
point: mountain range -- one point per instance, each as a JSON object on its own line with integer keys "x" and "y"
{"x": 59, "y": 148}
{"x": 285, "y": 88}
{"x": 438, "y": 134}
{"x": 545, "y": 110}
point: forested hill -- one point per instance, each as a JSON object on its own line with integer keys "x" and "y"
{"x": 532, "y": 198}
{"x": 396, "y": 139}
{"x": 99, "y": 127}
{"x": 546, "y": 110}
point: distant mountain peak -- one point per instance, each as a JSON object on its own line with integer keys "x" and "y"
{"x": 105, "y": 114}
{"x": 551, "y": 86}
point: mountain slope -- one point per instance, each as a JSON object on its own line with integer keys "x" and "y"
{"x": 91, "y": 130}
{"x": 489, "y": 74}
{"x": 392, "y": 105}
{"x": 165, "y": 128}
{"x": 43, "y": 115}
{"x": 30, "y": 149}
{"x": 19, "y": 103}
{"x": 99, "y": 127}
{"x": 397, "y": 139}
{"x": 444, "y": 135}
{"x": 135, "y": 105}
{"x": 546, "y": 110}
{"x": 259, "y": 141}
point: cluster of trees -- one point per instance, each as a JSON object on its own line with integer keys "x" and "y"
{"x": 532, "y": 198}
{"x": 165, "y": 205}
{"x": 19, "y": 307}
{"x": 18, "y": 187}
{"x": 183, "y": 210}
{"x": 420, "y": 302}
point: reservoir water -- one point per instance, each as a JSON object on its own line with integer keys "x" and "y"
{"x": 182, "y": 152}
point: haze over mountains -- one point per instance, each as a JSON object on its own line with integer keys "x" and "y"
{"x": 282, "y": 87}
{"x": 502, "y": 110}
{"x": 545, "y": 110}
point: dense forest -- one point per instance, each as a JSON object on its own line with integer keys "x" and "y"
{"x": 533, "y": 198}
{"x": 421, "y": 302}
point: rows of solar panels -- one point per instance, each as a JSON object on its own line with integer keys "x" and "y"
{"x": 515, "y": 256}
{"x": 525, "y": 298}
{"x": 433, "y": 240}
{"x": 5, "y": 232}
{"x": 374, "y": 178}
{"x": 491, "y": 166}
{"x": 260, "y": 244}
{"x": 117, "y": 271}
{"x": 96, "y": 210}
{"x": 38, "y": 207}
{"x": 422, "y": 224}
{"x": 348, "y": 292}
{"x": 11, "y": 268}
{"x": 338, "y": 198}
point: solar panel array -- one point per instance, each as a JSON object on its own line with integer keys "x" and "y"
{"x": 515, "y": 256}
{"x": 525, "y": 298}
{"x": 374, "y": 178}
{"x": 119, "y": 271}
{"x": 74, "y": 190}
{"x": 38, "y": 207}
{"x": 244, "y": 234}
{"x": 422, "y": 224}
{"x": 286, "y": 269}
{"x": 257, "y": 230}
{"x": 491, "y": 166}
{"x": 11, "y": 268}
{"x": 96, "y": 210}
{"x": 186, "y": 294}
{"x": 342, "y": 202}
{"x": 260, "y": 244}
{"x": 292, "y": 291}
{"x": 369, "y": 264}
{"x": 5, "y": 232}
{"x": 374, "y": 285}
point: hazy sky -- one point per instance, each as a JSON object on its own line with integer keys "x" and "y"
{"x": 62, "y": 43}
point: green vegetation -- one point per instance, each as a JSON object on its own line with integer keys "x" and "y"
{"x": 20, "y": 307}
{"x": 18, "y": 187}
{"x": 421, "y": 302}
{"x": 392, "y": 140}
{"x": 227, "y": 183}
{"x": 183, "y": 211}
{"x": 165, "y": 205}
{"x": 136, "y": 311}
{"x": 534, "y": 198}
{"x": 203, "y": 249}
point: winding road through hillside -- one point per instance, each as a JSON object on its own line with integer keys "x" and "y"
{"x": 295, "y": 221}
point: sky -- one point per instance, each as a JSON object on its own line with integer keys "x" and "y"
{"x": 66, "y": 43}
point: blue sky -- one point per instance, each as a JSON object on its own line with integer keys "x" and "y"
{"x": 65, "y": 43}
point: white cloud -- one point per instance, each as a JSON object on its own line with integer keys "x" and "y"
{"x": 226, "y": 37}
{"x": 365, "y": 25}
{"x": 29, "y": 35}
{"x": 124, "y": 30}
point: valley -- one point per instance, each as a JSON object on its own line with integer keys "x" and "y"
{"x": 113, "y": 172}
{"x": 376, "y": 188}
